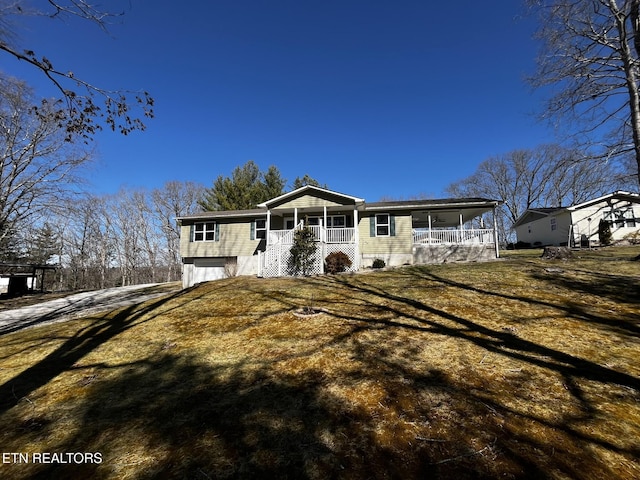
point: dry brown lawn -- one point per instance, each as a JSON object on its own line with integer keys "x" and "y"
{"x": 519, "y": 368}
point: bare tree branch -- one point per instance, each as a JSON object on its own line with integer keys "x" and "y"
{"x": 38, "y": 168}
{"x": 590, "y": 56}
{"x": 123, "y": 111}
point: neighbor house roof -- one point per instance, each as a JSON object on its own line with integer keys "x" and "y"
{"x": 533, "y": 214}
{"x": 619, "y": 194}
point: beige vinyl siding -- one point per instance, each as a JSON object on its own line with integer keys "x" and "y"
{"x": 234, "y": 240}
{"x": 309, "y": 201}
{"x": 402, "y": 242}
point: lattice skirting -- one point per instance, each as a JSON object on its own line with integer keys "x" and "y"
{"x": 276, "y": 258}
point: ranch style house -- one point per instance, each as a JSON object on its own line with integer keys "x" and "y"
{"x": 578, "y": 225}
{"x": 218, "y": 244}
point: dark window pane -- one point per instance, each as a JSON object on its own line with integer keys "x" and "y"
{"x": 382, "y": 230}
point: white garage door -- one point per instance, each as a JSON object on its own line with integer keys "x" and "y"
{"x": 206, "y": 269}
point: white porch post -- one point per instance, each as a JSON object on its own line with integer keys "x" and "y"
{"x": 295, "y": 217}
{"x": 355, "y": 225}
{"x": 495, "y": 233}
{"x": 356, "y": 237}
{"x": 268, "y": 225}
{"x": 429, "y": 228}
{"x": 323, "y": 230}
{"x": 460, "y": 236}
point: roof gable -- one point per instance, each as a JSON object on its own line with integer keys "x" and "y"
{"x": 310, "y": 194}
{"x": 533, "y": 214}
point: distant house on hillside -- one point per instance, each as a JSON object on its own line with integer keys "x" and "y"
{"x": 578, "y": 225}
{"x": 257, "y": 242}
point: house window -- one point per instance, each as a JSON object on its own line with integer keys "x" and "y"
{"x": 204, "y": 232}
{"x": 382, "y": 225}
{"x": 261, "y": 228}
{"x": 620, "y": 217}
{"x": 336, "y": 221}
{"x": 554, "y": 224}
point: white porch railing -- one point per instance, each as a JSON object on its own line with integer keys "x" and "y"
{"x": 320, "y": 234}
{"x": 274, "y": 261}
{"x": 453, "y": 237}
{"x": 340, "y": 235}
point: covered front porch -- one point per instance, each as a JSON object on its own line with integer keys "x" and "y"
{"x": 453, "y": 235}
{"x": 329, "y": 225}
{"x": 460, "y": 226}
{"x": 334, "y": 229}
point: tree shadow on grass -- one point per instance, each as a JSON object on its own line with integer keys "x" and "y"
{"x": 493, "y": 340}
{"x": 73, "y": 349}
{"x": 616, "y": 287}
{"x": 374, "y": 416}
{"x": 175, "y": 417}
{"x": 619, "y": 288}
{"x": 574, "y": 371}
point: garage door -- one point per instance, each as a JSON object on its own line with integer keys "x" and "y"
{"x": 206, "y": 269}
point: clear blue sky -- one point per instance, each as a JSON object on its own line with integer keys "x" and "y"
{"x": 372, "y": 98}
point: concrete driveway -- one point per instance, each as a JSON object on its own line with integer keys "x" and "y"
{"x": 73, "y": 306}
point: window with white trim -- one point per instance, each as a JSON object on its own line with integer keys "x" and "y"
{"x": 336, "y": 221}
{"x": 620, "y": 217}
{"x": 204, "y": 232}
{"x": 261, "y": 228}
{"x": 382, "y": 225}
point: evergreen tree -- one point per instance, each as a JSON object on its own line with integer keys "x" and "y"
{"x": 302, "y": 252}
{"x": 246, "y": 188}
{"x": 44, "y": 245}
{"x": 11, "y": 247}
{"x": 273, "y": 183}
{"x": 604, "y": 232}
{"x": 306, "y": 180}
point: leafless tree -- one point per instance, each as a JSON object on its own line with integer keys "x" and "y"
{"x": 547, "y": 176}
{"x": 173, "y": 200}
{"x": 125, "y": 224}
{"x": 38, "y": 168}
{"x": 78, "y": 112}
{"x": 590, "y": 59}
{"x": 87, "y": 244}
{"x": 123, "y": 239}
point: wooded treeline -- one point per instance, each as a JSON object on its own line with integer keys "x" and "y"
{"x": 96, "y": 242}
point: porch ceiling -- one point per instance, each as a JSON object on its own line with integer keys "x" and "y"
{"x": 445, "y": 218}
{"x": 315, "y": 211}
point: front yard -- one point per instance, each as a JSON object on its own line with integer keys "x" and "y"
{"x": 519, "y": 368}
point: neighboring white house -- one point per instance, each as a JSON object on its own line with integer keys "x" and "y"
{"x": 217, "y": 244}
{"x": 578, "y": 225}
